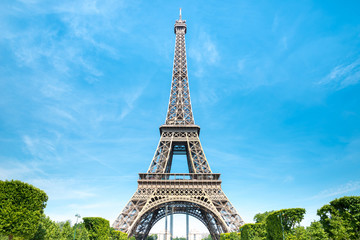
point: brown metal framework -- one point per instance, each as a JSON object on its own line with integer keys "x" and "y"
{"x": 197, "y": 193}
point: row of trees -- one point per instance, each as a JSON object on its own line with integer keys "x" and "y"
{"x": 91, "y": 228}
{"x": 340, "y": 220}
{"x": 22, "y": 217}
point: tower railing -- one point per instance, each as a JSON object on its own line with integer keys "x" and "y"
{"x": 179, "y": 176}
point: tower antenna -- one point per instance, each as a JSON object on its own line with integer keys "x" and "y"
{"x": 180, "y": 14}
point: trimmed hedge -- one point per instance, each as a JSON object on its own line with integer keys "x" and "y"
{"x": 253, "y": 231}
{"x": 21, "y": 208}
{"x": 283, "y": 220}
{"x": 98, "y": 228}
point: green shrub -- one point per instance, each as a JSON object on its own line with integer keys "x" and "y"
{"x": 98, "y": 228}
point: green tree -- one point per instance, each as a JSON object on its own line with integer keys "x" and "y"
{"x": 118, "y": 235}
{"x": 47, "y": 229}
{"x": 341, "y": 218}
{"x": 21, "y": 207}
{"x": 283, "y": 222}
{"x": 98, "y": 228}
{"x": 261, "y": 217}
{"x": 297, "y": 233}
{"x": 67, "y": 232}
{"x": 81, "y": 232}
{"x": 253, "y": 231}
{"x": 230, "y": 236}
{"x": 316, "y": 231}
{"x": 339, "y": 229}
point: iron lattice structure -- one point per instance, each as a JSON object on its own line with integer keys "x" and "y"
{"x": 197, "y": 193}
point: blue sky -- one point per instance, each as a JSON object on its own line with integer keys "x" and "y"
{"x": 84, "y": 86}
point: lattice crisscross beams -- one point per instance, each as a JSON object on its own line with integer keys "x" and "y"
{"x": 198, "y": 192}
{"x": 198, "y": 157}
{"x": 174, "y": 138}
{"x": 200, "y": 196}
{"x": 179, "y": 111}
{"x": 161, "y": 157}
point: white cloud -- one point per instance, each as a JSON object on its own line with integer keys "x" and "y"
{"x": 13, "y": 169}
{"x": 63, "y": 189}
{"x": 204, "y": 52}
{"x": 343, "y": 75}
{"x": 284, "y": 42}
{"x": 130, "y": 99}
{"x": 288, "y": 179}
{"x": 349, "y": 187}
{"x": 241, "y": 65}
{"x": 40, "y": 148}
{"x": 52, "y": 88}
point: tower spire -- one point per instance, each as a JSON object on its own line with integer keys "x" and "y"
{"x": 179, "y": 111}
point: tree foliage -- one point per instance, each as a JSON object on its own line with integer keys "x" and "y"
{"x": 230, "y": 236}
{"x": 67, "y": 231}
{"x": 21, "y": 207}
{"x": 253, "y": 231}
{"x": 98, "y": 228}
{"x": 282, "y": 222}
{"x": 261, "y": 217}
{"x": 316, "y": 231}
{"x": 118, "y": 235}
{"x": 81, "y": 232}
{"x": 297, "y": 233}
{"x": 47, "y": 229}
{"x": 341, "y": 218}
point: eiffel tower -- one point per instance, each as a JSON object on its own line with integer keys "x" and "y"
{"x": 197, "y": 193}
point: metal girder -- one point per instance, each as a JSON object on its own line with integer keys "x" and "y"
{"x": 197, "y": 193}
{"x": 179, "y": 111}
{"x": 175, "y": 137}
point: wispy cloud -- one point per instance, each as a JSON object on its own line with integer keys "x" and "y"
{"x": 288, "y": 179}
{"x": 241, "y": 65}
{"x": 64, "y": 189}
{"x": 40, "y": 148}
{"x": 13, "y": 169}
{"x": 204, "y": 52}
{"x": 130, "y": 99}
{"x": 349, "y": 187}
{"x": 343, "y": 75}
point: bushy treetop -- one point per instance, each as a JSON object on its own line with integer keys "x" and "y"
{"x": 21, "y": 207}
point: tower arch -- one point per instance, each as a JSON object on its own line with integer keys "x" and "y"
{"x": 180, "y": 205}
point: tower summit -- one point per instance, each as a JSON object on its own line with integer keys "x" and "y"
{"x": 197, "y": 193}
{"x": 179, "y": 111}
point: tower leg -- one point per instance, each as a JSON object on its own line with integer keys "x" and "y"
{"x": 187, "y": 226}
{"x": 172, "y": 223}
{"x": 166, "y": 227}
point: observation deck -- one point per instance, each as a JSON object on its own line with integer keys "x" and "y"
{"x": 179, "y": 178}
